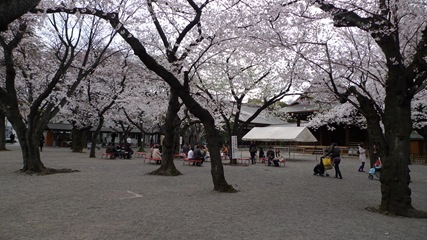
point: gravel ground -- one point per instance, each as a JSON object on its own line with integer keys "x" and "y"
{"x": 116, "y": 199}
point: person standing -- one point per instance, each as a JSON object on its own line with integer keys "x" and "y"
{"x": 261, "y": 155}
{"x": 185, "y": 149}
{"x": 270, "y": 156}
{"x": 362, "y": 156}
{"x": 334, "y": 152}
{"x": 224, "y": 151}
{"x": 252, "y": 151}
{"x": 113, "y": 138}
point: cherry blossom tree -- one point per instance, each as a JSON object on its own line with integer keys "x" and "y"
{"x": 93, "y": 105}
{"x": 171, "y": 70}
{"x": 229, "y": 82}
{"x": 226, "y": 80}
{"x": 398, "y": 76}
{"x": 244, "y": 57}
{"x": 35, "y": 94}
{"x": 145, "y": 113}
{"x": 143, "y": 104}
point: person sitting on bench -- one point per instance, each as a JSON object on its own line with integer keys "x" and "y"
{"x": 270, "y": 156}
{"x": 157, "y": 155}
{"x": 198, "y": 155}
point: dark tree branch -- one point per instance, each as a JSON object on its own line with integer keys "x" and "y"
{"x": 10, "y": 10}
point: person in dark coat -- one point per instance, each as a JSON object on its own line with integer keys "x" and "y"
{"x": 261, "y": 155}
{"x": 334, "y": 152}
{"x": 41, "y": 143}
{"x": 270, "y": 156}
{"x": 198, "y": 155}
{"x": 252, "y": 151}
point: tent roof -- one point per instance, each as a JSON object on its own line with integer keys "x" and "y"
{"x": 262, "y": 119}
{"x": 279, "y": 133}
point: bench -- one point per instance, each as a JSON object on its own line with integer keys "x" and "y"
{"x": 107, "y": 155}
{"x": 149, "y": 159}
{"x": 281, "y": 161}
{"x": 191, "y": 161}
{"x": 139, "y": 154}
{"x": 180, "y": 155}
{"x": 243, "y": 160}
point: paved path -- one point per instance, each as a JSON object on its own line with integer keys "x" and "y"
{"x": 116, "y": 199}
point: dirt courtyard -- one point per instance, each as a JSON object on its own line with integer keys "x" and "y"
{"x": 116, "y": 199}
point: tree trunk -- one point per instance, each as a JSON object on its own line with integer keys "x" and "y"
{"x": 395, "y": 179}
{"x": 396, "y": 194}
{"x": 212, "y": 134}
{"x": 95, "y": 137}
{"x": 375, "y": 134}
{"x": 30, "y": 144}
{"x": 28, "y": 135}
{"x": 78, "y": 142}
{"x": 171, "y": 136}
{"x": 217, "y": 169}
{"x": 31, "y": 154}
{"x": 2, "y": 130}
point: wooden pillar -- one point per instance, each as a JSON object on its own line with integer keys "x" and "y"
{"x": 347, "y": 135}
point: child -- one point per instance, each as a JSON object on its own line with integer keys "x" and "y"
{"x": 378, "y": 165}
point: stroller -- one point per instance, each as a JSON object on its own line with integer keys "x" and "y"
{"x": 320, "y": 168}
{"x": 376, "y": 170}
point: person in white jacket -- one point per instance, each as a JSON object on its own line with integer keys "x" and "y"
{"x": 362, "y": 156}
{"x": 190, "y": 154}
{"x": 156, "y": 154}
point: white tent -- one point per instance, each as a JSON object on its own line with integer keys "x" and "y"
{"x": 280, "y": 134}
